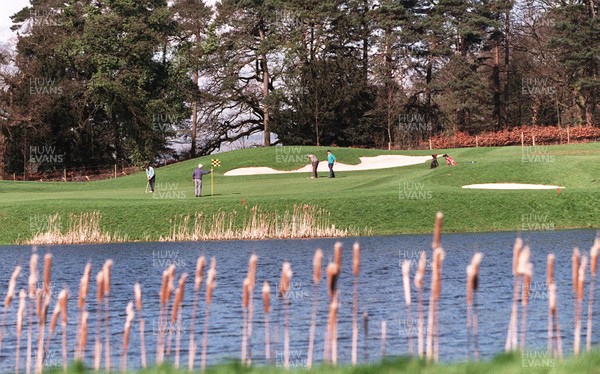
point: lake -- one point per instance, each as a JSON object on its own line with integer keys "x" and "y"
{"x": 380, "y": 293}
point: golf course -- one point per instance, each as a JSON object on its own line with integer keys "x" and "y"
{"x": 386, "y": 201}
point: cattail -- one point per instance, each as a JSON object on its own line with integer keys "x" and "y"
{"x": 355, "y": 272}
{"x": 438, "y": 256}
{"x": 210, "y": 286}
{"x": 286, "y": 279}
{"x": 137, "y": 292}
{"x": 593, "y": 267}
{"x": 130, "y": 315}
{"x": 284, "y": 284}
{"x": 575, "y": 269}
{"x": 550, "y": 270}
{"x": 199, "y": 275}
{"x": 62, "y": 301}
{"x": 200, "y": 265}
{"x": 337, "y": 256}
{"x": 419, "y": 276}
{"x": 317, "y": 263}
{"x": 83, "y": 335}
{"x": 252, "y": 270}
{"x": 356, "y": 259}
{"x": 332, "y": 275}
{"x": 19, "y": 327}
{"x": 245, "y": 298}
{"x": 99, "y": 298}
{"x": 437, "y": 230}
{"x": 33, "y": 280}
{"x": 333, "y": 310}
{"x": 252, "y": 282}
{"x": 177, "y": 306}
{"x": 383, "y": 337}
{"x": 10, "y": 293}
{"x": 518, "y": 246}
{"x": 266, "y": 294}
{"x": 556, "y": 328}
{"x": 526, "y": 271}
{"x": 407, "y": 300}
{"x": 47, "y": 273}
{"x": 579, "y": 302}
{"x": 41, "y": 331}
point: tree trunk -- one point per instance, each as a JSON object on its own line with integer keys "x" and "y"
{"x": 265, "y": 88}
{"x": 506, "y": 67}
{"x": 2, "y": 153}
{"x": 194, "y": 114}
{"x": 496, "y": 83}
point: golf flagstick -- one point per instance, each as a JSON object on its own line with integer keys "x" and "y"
{"x": 212, "y": 179}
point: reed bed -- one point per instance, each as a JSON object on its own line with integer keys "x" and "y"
{"x": 82, "y": 228}
{"x": 303, "y": 221}
{"x": 35, "y": 299}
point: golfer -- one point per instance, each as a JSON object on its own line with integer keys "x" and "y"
{"x": 150, "y": 175}
{"x": 315, "y": 163}
{"x": 330, "y": 162}
{"x": 197, "y": 178}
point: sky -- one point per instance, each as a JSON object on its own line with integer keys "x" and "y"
{"x": 7, "y": 9}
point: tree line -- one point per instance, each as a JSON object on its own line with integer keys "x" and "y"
{"x": 111, "y": 81}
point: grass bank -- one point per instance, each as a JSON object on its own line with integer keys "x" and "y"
{"x": 387, "y": 201}
{"x": 501, "y": 364}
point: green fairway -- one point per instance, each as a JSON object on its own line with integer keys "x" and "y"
{"x": 387, "y": 201}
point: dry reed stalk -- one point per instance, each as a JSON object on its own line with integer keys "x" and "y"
{"x": 137, "y": 292}
{"x": 130, "y": 315}
{"x": 355, "y": 272}
{"x": 266, "y": 294}
{"x": 39, "y": 364}
{"x": 53, "y": 322}
{"x": 10, "y": 294}
{"x": 337, "y": 255}
{"x": 407, "y": 301}
{"x": 580, "y": 294}
{"x": 210, "y": 286}
{"x": 317, "y": 264}
{"x": 575, "y": 259}
{"x": 62, "y": 302}
{"x": 333, "y": 312}
{"x": 332, "y": 275}
{"x": 284, "y": 287}
{"x": 252, "y": 278}
{"x": 472, "y": 285}
{"x": 593, "y": 267}
{"x": 19, "y": 326}
{"x": 83, "y": 292}
{"x": 165, "y": 295}
{"x": 245, "y": 297}
{"x": 99, "y": 297}
{"x": 83, "y": 335}
{"x": 107, "y": 278}
{"x": 419, "y": 277}
{"x": 511, "y": 342}
{"x": 526, "y": 274}
{"x": 383, "y": 338}
{"x": 438, "y": 255}
{"x": 198, "y": 276}
{"x": 551, "y": 300}
{"x": 33, "y": 280}
{"x": 176, "y": 316}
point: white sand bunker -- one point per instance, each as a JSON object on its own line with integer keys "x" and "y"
{"x": 512, "y": 186}
{"x": 366, "y": 163}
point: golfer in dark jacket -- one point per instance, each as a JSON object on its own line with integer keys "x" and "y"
{"x": 197, "y": 177}
{"x": 315, "y": 163}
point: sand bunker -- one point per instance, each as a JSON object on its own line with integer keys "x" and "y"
{"x": 366, "y": 163}
{"x": 512, "y": 186}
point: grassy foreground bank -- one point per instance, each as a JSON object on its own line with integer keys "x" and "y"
{"x": 513, "y": 363}
{"x": 386, "y": 201}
